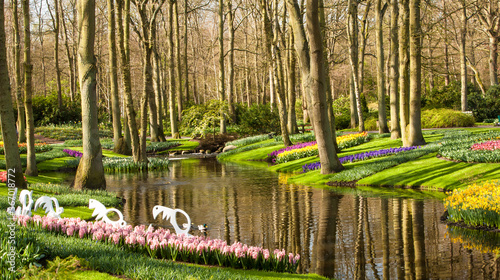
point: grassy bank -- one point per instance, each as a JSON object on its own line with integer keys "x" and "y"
{"x": 420, "y": 169}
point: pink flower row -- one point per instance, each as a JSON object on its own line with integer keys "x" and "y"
{"x": 161, "y": 243}
{"x": 488, "y": 145}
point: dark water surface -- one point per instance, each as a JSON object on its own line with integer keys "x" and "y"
{"x": 340, "y": 235}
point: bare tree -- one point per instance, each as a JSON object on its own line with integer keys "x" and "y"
{"x": 31, "y": 168}
{"x": 55, "y": 25}
{"x": 7, "y": 119}
{"x": 171, "y": 71}
{"x": 488, "y": 12}
{"x": 382, "y": 115}
{"x": 222, "y": 88}
{"x": 90, "y": 172}
{"x": 123, "y": 17}
{"x": 21, "y": 120}
{"x": 352, "y": 32}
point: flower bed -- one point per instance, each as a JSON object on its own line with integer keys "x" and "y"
{"x": 488, "y": 145}
{"x": 160, "y": 243}
{"x": 73, "y": 153}
{"x": 477, "y": 205}
{"x": 361, "y": 156}
{"x": 472, "y": 147}
{"x": 311, "y": 148}
{"x": 23, "y": 148}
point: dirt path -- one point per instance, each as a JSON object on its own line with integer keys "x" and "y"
{"x": 47, "y": 140}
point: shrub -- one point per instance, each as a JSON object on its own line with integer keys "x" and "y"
{"x": 439, "y": 118}
{"x": 258, "y": 119}
{"x": 46, "y": 110}
{"x": 23, "y": 148}
{"x": 485, "y": 107}
{"x": 199, "y": 119}
{"x": 443, "y": 97}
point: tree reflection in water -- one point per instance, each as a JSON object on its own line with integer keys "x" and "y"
{"x": 345, "y": 235}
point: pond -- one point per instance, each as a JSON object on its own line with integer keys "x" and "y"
{"x": 345, "y": 235}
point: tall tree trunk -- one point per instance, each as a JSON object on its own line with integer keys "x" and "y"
{"x": 415, "y": 136}
{"x": 292, "y": 97}
{"x": 278, "y": 79}
{"x": 313, "y": 77}
{"x": 31, "y": 168}
{"x": 329, "y": 94}
{"x": 71, "y": 58}
{"x": 123, "y": 17}
{"x": 222, "y": 89}
{"x": 171, "y": 71}
{"x": 230, "y": 68}
{"x": 21, "y": 120}
{"x": 178, "y": 65}
{"x": 247, "y": 68}
{"x": 493, "y": 60}
{"x": 55, "y": 20}
{"x": 113, "y": 79}
{"x": 186, "y": 65}
{"x": 394, "y": 71}
{"x": 158, "y": 92}
{"x": 404, "y": 64}
{"x": 446, "y": 55}
{"x": 7, "y": 118}
{"x": 463, "y": 61}
{"x": 352, "y": 101}
{"x": 90, "y": 172}
{"x": 352, "y": 33}
{"x": 362, "y": 47}
{"x": 382, "y": 114}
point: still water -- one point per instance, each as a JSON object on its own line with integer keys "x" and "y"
{"x": 345, "y": 235}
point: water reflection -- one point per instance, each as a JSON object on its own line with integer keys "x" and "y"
{"x": 340, "y": 235}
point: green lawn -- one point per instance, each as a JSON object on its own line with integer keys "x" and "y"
{"x": 427, "y": 172}
{"x": 434, "y": 173}
{"x": 186, "y": 145}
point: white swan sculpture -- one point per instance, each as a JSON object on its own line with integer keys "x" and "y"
{"x": 46, "y": 203}
{"x": 169, "y": 214}
{"x": 25, "y": 196}
{"x": 102, "y": 213}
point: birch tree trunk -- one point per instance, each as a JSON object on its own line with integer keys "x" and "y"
{"x": 90, "y": 172}
{"x": 7, "y": 119}
{"x": 31, "y": 168}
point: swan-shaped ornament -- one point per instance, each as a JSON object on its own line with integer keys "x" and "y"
{"x": 26, "y": 199}
{"x": 45, "y": 202}
{"x": 169, "y": 214}
{"x": 102, "y": 213}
